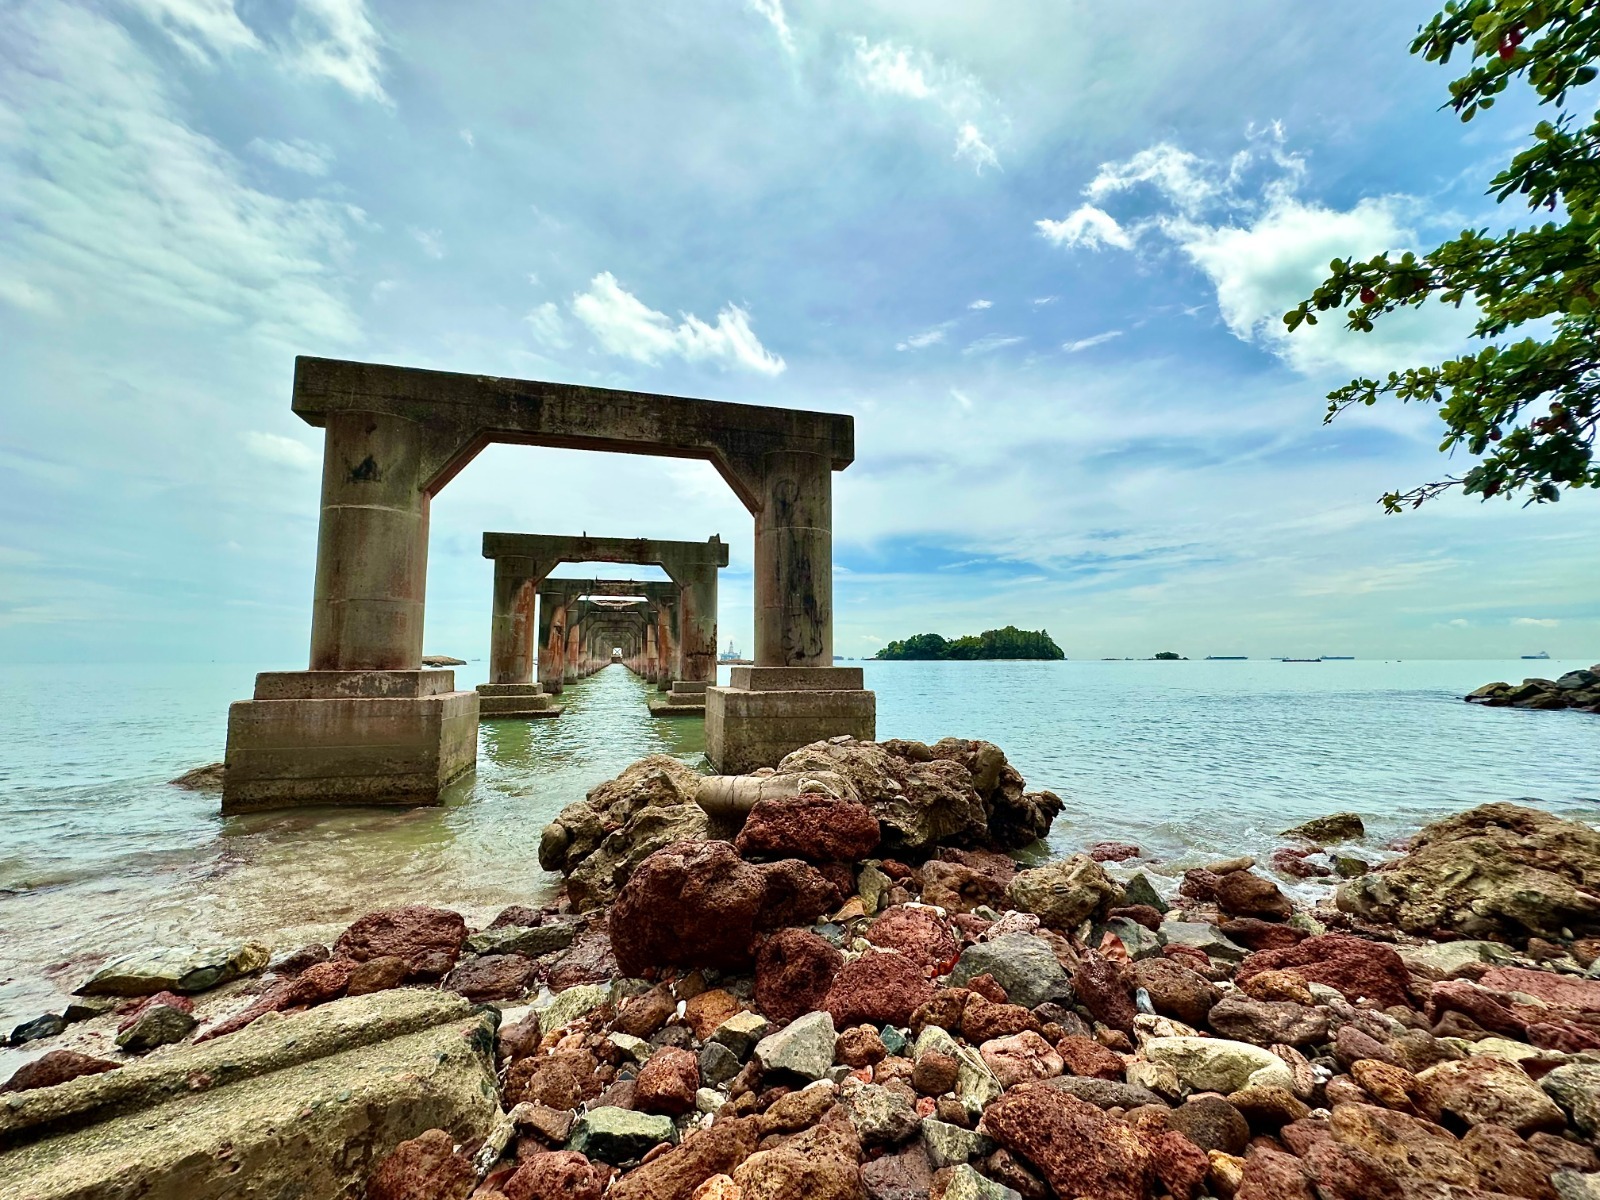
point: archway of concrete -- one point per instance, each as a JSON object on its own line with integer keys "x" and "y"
{"x": 366, "y": 724}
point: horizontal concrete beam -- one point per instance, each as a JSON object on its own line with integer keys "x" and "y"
{"x": 554, "y": 548}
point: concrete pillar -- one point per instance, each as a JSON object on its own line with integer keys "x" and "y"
{"x": 558, "y": 648}
{"x": 697, "y": 626}
{"x": 512, "y": 630}
{"x": 794, "y": 562}
{"x": 574, "y": 649}
{"x": 372, "y": 546}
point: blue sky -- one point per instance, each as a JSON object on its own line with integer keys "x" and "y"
{"x": 1038, "y": 249}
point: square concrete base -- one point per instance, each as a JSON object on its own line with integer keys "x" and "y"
{"x": 348, "y": 737}
{"x": 771, "y": 711}
{"x": 687, "y": 694}
{"x": 665, "y": 708}
{"x": 515, "y": 700}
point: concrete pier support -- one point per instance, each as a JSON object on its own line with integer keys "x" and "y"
{"x": 513, "y": 646}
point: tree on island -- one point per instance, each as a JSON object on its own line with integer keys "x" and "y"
{"x": 1169, "y": 656}
{"x": 1009, "y": 642}
{"x": 1545, "y": 276}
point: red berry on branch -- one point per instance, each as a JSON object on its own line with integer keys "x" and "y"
{"x": 1368, "y": 295}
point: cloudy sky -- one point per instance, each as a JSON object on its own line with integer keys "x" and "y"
{"x": 1039, "y": 249}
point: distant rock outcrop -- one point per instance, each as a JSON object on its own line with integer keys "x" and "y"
{"x": 442, "y": 660}
{"x": 1578, "y": 689}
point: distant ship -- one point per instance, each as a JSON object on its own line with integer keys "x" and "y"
{"x": 730, "y": 655}
{"x": 1543, "y": 654}
{"x": 1299, "y": 660}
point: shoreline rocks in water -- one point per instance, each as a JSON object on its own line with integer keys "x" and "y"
{"x": 862, "y": 995}
{"x": 1578, "y": 689}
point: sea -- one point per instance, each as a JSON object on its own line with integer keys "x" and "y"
{"x": 1191, "y": 761}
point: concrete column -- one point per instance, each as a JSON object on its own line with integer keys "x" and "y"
{"x": 697, "y": 625}
{"x": 652, "y": 654}
{"x": 372, "y": 547}
{"x": 794, "y": 563}
{"x": 512, "y": 630}
{"x": 574, "y": 650}
{"x": 664, "y": 646}
{"x": 558, "y": 648}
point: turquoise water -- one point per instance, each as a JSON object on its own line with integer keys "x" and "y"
{"x": 99, "y": 855}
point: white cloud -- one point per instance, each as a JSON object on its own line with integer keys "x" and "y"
{"x": 772, "y": 10}
{"x": 1183, "y": 177}
{"x": 1041, "y": 301}
{"x": 625, "y": 326}
{"x": 282, "y": 451}
{"x": 888, "y": 69}
{"x": 111, "y": 198}
{"x": 200, "y": 28}
{"x": 305, "y": 157}
{"x": 961, "y": 398}
{"x": 1459, "y": 623}
{"x": 19, "y": 293}
{"x": 1085, "y": 226}
{"x": 980, "y": 305}
{"x": 928, "y": 337}
{"x": 335, "y": 39}
{"x": 885, "y": 67}
{"x": 548, "y": 327}
{"x": 988, "y": 345}
{"x": 971, "y": 146}
{"x": 1537, "y": 622}
{"x": 466, "y": 136}
{"x": 430, "y": 240}
{"x": 1089, "y": 343}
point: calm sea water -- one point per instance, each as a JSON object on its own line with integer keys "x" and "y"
{"x": 98, "y": 855}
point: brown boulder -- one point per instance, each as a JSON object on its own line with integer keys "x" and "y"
{"x": 794, "y": 970}
{"x": 1476, "y": 1091}
{"x": 983, "y": 1020}
{"x": 1085, "y": 1056}
{"x": 1256, "y": 934}
{"x": 959, "y": 889}
{"x": 700, "y": 904}
{"x": 1506, "y": 1163}
{"x": 1211, "y": 1123}
{"x": 1105, "y": 986}
{"x": 491, "y": 977}
{"x": 1175, "y": 990}
{"x": 556, "y": 1175}
{"x": 425, "y": 1168}
{"x": 377, "y": 975}
{"x": 666, "y": 1083}
{"x": 820, "y": 1164}
{"x": 1273, "y": 1175}
{"x": 818, "y": 828}
{"x": 321, "y": 982}
{"x": 1076, "y": 1147}
{"x": 1179, "y": 1164}
{"x": 1353, "y": 966}
{"x": 704, "y": 1153}
{"x": 917, "y": 933}
{"x": 429, "y": 939}
{"x": 56, "y": 1066}
{"x": 1268, "y": 1022}
{"x": 879, "y": 988}
{"x": 1246, "y": 894}
{"x": 1406, "y": 1145}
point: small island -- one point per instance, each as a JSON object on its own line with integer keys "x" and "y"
{"x": 1009, "y": 642}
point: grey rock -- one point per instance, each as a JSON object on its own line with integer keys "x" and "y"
{"x": 976, "y": 1085}
{"x": 803, "y": 1047}
{"x": 158, "y": 1025}
{"x": 1268, "y": 1022}
{"x": 740, "y": 1033}
{"x": 1203, "y": 937}
{"x": 1339, "y": 827}
{"x": 1064, "y": 894}
{"x": 1139, "y": 941}
{"x": 1571, "y": 1185}
{"x": 1104, "y": 1093}
{"x": 718, "y": 1064}
{"x": 947, "y": 1145}
{"x": 567, "y": 1006}
{"x": 619, "y": 1135}
{"x": 183, "y": 970}
{"x": 1447, "y": 958}
{"x": 529, "y": 940}
{"x": 40, "y": 1027}
{"x": 1139, "y": 890}
{"x": 1021, "y": 964}
{"x": 872, "y": 885}
{"x": 1576, "y": 1088}
{"x": 964, "y": 1183}
{"x": 881, "y": 1117}
{"x": 894, "y": 1040}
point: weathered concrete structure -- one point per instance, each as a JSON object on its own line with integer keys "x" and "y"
{"x": 522, "y": 560}
{"x": 366, "y": 724}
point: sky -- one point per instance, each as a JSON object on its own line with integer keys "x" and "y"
{"x": 1039, "y": 250}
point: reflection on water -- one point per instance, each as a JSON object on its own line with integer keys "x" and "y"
{"x": 1190, "y": 760}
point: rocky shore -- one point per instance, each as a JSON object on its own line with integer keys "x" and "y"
{"x": 1576, "y": 689}
{"x": 858, "y": 976}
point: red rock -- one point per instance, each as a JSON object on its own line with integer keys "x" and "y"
{"x": 274, "y": 999}
{"x": 1353, "y": 966}
{"x": 424, "y": 1168}
{"x": 903, "y": 1176}
{"x": 1113, "y": 851}
{"x": 1076, "y": 1147}
{"x": 1293, "y": 863}
{"x": 1085, "y": 1056}
{"x": 1139, "y": 914}
{"x": 321, "y": 982}
{"x": 859, "y": 1047}
{"x": 1558, "y": 991}
{"x": 1256, "y": 934}
{"x": 1191, "y": 956}
{"x": 1564, "y": 1036}
{"x": 818, "y": 828}
{"x": 1020, "y": 1058}
{"x": 935, "y": 1073}
{"x": 700, "y": 904}
{"x": 667, "y": 1082}
{"x": 377, "y": 975}
{"x": 710, "y": 1008}
{"x": 56, "y": 1066}
{"x": 492, "y": 977}
{"x": 556, "y": 1175}
{"x": 1342, "y": 1172}
{"x": 1505, "y": 1163}
{"x": 590, "y": 959}
{"x": 917, "y": 933}
{"x": 944, "y": 1010}
{"x": 983, "y": 1020}
{"x": 1105, "y": 986}
{"x": 1458, "y": 995}
{"x": 168, "y": 999}
{"x": 562, "y": 1080}
{"x": 705, "y": 1153}
{"x": 1175, "y": 990}
{"x": 1273, "y": 1175}
{"x": 879, "y": 988}
{"x": 794, "y": 970}
{"x": 518, "y": 1040}
{"x": 987, "y": 986}
{"x": 1199, "y": 884}
{"x": 820, "y": 1164}
{"x": 641, "y": 1016}
{"x": 1179, "y": 1164}
{"x": 959, "y": 889}
{"x": 1246, "y": 894}
{"x": 429, "y": 939}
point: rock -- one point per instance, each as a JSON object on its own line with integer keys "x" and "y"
{"x": 1179, "y": 1164}
{"x": 1268, "y": 1022}
{"x": 1496, "y": 871}
{"x": 377, "y": 975}
{"x": 292, "y": 962}
{"x": 1297, "y": 865}
{"x": 1218, "y": 1064}
{"x": 1202, "y": 937}
{"x": 429, "y": 939}
{"x": 208, "y": 778}
{"x": 1557, "y": 991}
{"x": 881, "y": 1117}
{"x": 916, "y": 932}
{"x": 740, "y": 1033}
{"x": 959, "y": 889}
{"x": 706, "y": 1011}
{"x": 795, "y": 1111}
{"x": 1211, "y": 1123}
{"x": 423, "y": 1168}
{"x": 1246, "y": 894}
{"x": 1446, "y": 960}
{"x": 881, "y": 987}
{"x": 155, "y": 1025}
{"x": 1269, "y": 1108}
{"x": 1272, "y": 1175}
{"x": 667, "y": 1082}
{"x": 1064, "y": 894}
{"x": 1322, "y": 831}
{"x": 794, "y": 970}
{"x": 815, "y": 827}
{"x": 572, "y": 1003}
{"x": 962, "y": 1182}
{"x": 1105, "y": 986}
{"x": 1391, "y": 1086}
{"x": 1075, "y": 1147}
{"x": 1408, "y": 1146}
{"x": 38, "y": 1029}
{"x": 1505, "y": 1163}
{"x": 1570, "y": 1185}
{"x": 700, "y": 904}
{"x": 53, "y": 1067}
{"x": 375, "y": 1070}
{"x": 804, "y": 1047}
{"x": 859, "y": 1047}
{"x": 1021, "y": 1058}
{"x": 1354, "y": 966}
{"x": 948, "y": 1145}
{"x": 1022, "y": 964}
{"x": 1085, "y": 1056}
{"x": 1140, "y": 891}
{"x": 819, "y": 1164}
{"x": 1576, "y": 1088}
{"x": 1175, "y": 990}
{"x": 590, "y": 959}
{"x": 492, "y": 977}
{"x": 904, "y": 1176}
{"x": 657, "y": 782}
{"x": 703, "y": 1155}
{"x": 529, "y": 940}
{"x": 184, "y": 970}
{"x": 1105, "y": 1093}
{"x": 1478, "y": 1090}
{"x": 563, "y": 1173}
{"x": 619, "y": 1135}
